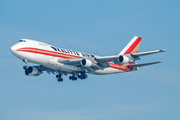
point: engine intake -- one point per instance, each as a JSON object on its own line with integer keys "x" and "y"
{"x": 86, "y": 63}
{"x": 124, "y": 59}
{"x": 32, "y": 71}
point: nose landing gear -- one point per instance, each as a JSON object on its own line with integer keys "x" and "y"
{"x": 25, "y": 64}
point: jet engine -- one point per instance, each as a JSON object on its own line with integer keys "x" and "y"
{"x": 124, "y": 59}
{"x": 32, "y": 71}
{"x": 86, "y": 63}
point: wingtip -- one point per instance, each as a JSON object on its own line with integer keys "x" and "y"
{"x": 162, "y": 50}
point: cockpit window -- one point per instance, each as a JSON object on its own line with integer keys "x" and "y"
{"x": 22, "y": 41}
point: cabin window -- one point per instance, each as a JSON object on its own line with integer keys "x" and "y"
{"x": 22, "y": 41}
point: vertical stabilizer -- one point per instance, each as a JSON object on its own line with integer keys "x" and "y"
{"x": 132, "y": 46}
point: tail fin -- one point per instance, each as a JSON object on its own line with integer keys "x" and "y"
{"x": 132, "y": 46}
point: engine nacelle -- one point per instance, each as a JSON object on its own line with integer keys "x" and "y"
{"x": 124, "y": 59}
{"x": 32, "y": 71}
{"x": 86, "y": 63}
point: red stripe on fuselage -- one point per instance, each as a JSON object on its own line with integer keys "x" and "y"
{"x": 120, "y": 67}
{"x": 48, "y": 52}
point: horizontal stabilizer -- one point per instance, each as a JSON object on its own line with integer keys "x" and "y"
{"x": 143, "y": 64}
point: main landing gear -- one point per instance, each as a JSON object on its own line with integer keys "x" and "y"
{"x": 81, "y": 76}
{"x": 59, "y": 78}
{"x": 73, "y": 77}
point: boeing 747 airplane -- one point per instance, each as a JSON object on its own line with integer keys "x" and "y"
{"x": 63, "y": 62}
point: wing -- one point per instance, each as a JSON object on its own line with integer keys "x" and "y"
{"x": 86, "y": 64}
{"x": 98, "y": 62}
{"x": 73, "y": 62}
{"x": 132, "y": 57}
{"x": 107, "y": 58}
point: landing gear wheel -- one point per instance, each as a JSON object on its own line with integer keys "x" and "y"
{"x": 72, "y": 78}
{"x": 60, "y": 80}
{"x": 79, "y": 76}
{"x": 82, "y": 76}
{"x": 58, "y": 76}
{"x": 25, "y": 67}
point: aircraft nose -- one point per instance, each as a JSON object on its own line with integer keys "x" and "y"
{"x": 13, "y": 49}
{"x": 15, "y": 52}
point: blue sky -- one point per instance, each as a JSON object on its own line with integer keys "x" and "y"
{"x": 98, "y": 27}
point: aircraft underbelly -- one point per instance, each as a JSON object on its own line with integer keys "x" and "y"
{"x": 53, "y": 64}
{"x": 107, "y": 71}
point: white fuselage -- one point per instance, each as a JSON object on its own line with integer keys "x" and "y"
{"x": 48, "y": 56}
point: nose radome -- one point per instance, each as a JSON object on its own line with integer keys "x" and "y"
{"x": 13, "y": 49}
